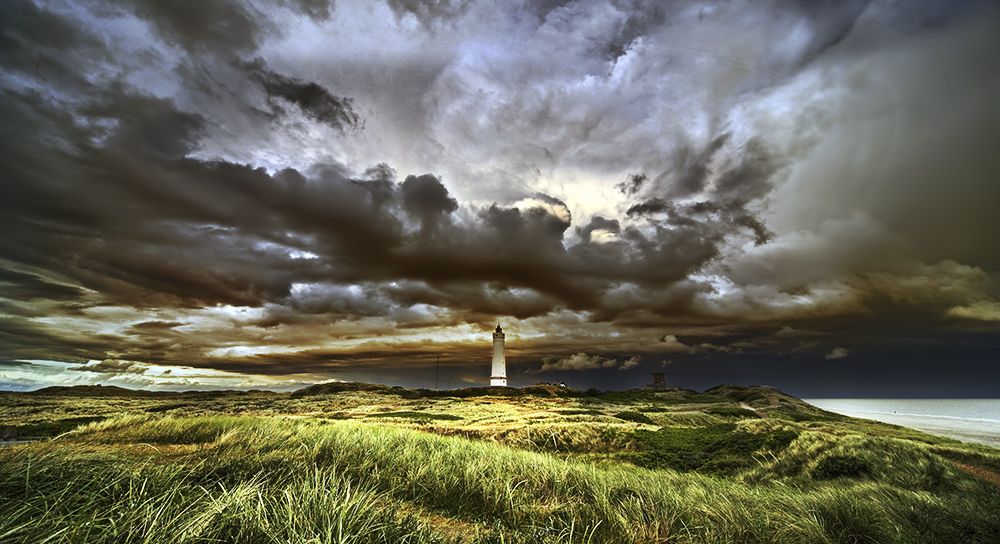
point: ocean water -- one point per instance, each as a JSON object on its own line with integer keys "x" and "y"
{"x": 968, "y": 420}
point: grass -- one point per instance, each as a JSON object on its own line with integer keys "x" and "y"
{"x": 718, "y": 449}
{"x": 500, "y": 469}
{"x": 637, "y": 417}
{"x": 104, "y": 497}
{"x": 841, "y": 466}
{"x": 54, "y": 427}
{"x": 418, "y": 416}
{"x": 577, "y": 412}
{"x": 740, "y": 413}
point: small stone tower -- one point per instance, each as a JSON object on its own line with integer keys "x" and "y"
{"x": 498, "y": 376}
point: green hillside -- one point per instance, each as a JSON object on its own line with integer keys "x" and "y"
{"x": 368, "y": 463}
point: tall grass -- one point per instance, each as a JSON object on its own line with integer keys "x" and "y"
{"x": 231, "y": 479}
{"x": 57, "y": 495}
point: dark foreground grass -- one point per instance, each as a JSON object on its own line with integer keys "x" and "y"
{"x": 55, "y": 427}
{"x": 155, "y": 479}
{"x": 102, "y": 497}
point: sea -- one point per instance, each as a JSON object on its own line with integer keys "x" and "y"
{"x": 968, "y": 420}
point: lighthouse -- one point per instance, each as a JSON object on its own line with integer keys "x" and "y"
{"x": 498, "y": 376}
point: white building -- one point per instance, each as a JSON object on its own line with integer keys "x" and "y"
{"x": 498, "y": 376}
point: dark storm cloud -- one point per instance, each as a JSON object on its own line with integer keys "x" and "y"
{"x": 143, "y": 125}
{"x": 728, "y": 337}
{"x": 749, "y": 178}
{"x": 212, "y": 50}
{"x": 112, "y": 366}
{"x": 210, "y": 192}
{"x": 426, "y": 198}
{"x": 316, "y": 9}
{"x": 21, "y": 286}
{"x": 702, "y": 215}
{"x": 18, "y": 364}
{"x": 167, "y": 229}
{"x": 735, "y": 182}
{"x": 599, "y": 223}
{"x": 482, "y": 299}
{"x": 382, "y": 360}
{"x": 60, "y": 57}
{"x": 203, "y": 26}
{"x": 25, "y": 339}
{"x": 650, "y": 207}
{"x": 357, "y": 360}
{"x": 632, "y": 185}
{"x": 691, "y": 169}
{"x": 541, "y": 8}
{"x": 831, "y": 22}
{"x": 314, "y": 100}
{"x": 647, "y": 15}
{"x": 428, "y": 11}
{"x": 525, "y": 228}
{"x": 197, "y": 232}
{"x": 156, "y": 325}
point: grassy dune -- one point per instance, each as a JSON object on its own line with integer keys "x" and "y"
{"x": 399, "y": 467}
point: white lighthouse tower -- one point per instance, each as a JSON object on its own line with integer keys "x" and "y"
{"x": 498, "y": 377}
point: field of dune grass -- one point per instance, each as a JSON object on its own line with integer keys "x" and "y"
{"x": 355, "y": 466}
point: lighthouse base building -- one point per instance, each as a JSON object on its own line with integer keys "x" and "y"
{"x": 498, "y": 374}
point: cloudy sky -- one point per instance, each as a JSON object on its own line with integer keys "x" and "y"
{"x": 226, "y": 194}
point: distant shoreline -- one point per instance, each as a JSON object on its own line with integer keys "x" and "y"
{"x": 967, "y": 427}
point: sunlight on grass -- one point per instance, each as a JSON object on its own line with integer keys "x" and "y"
{"x": 504, "y": 470}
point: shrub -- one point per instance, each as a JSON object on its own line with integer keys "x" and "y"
{"x": 635, "y": 416}
{"x": 717, "y": 449}
{"x": 53, "y": 428}
{"x": 804, "y": 416}
{"x": 576, "y": 412}
{"x": 841, "y": 466}
{"x": 747, "y": 396}
{"x": 418, "y": 416}
{"x": 168, "y": 407}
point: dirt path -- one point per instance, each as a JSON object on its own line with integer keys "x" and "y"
{"x": 987, "y": 475}
{"x": 449, "y": 527}
{"x": 746, "y": 406}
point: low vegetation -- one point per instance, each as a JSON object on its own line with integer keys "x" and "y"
{"x": 719, "y": 449}
{"x": 634, "y": 416}
{"x": 360, "y": 465}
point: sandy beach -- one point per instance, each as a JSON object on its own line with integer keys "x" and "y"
{"x": 980, "y": 430}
